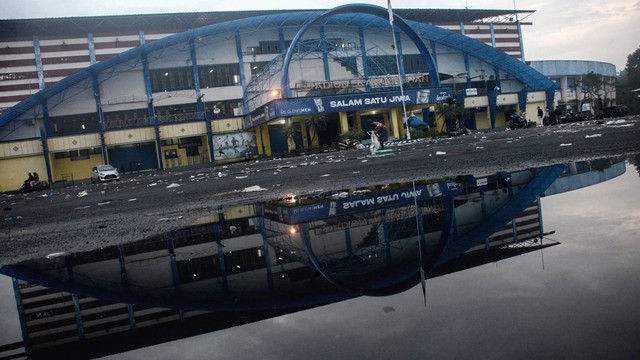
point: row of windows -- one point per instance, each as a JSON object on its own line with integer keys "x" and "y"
{"x": 210, "y": 76}
{"x": 208, "y": 267}
{"x": 82, "y": 154}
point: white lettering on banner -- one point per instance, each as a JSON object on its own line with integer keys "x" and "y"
{"x": 442, "y": 96}
{"x": 354, "y": 204}
{"x": 398, "y": 98}
{"x": 342, "y": 103}
{"x": 375, "y": 101}
{"x": 378, "y": 100}
{"x": 381, "y": 199}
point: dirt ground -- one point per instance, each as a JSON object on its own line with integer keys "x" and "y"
{"x": 66, "y": 219}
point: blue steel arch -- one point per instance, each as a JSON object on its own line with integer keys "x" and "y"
{"x": 364, "y": 9}
{"x": 527, "y": 75}
{"x": 530, "y": 77}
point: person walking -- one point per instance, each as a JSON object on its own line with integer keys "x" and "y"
{"x": 558, "y": 115}
{"x": 381, "y": 132}
{"x": 540, "y": 115}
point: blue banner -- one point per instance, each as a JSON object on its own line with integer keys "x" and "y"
{"x": 361, "y": 203}
{"x": 346, "y": 102}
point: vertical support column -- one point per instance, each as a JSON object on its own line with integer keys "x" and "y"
{"x": 325, "y": 54}
{"x": 347, "y": 236}
{"x": 492, "y": 98}
{"x": 41, "y": 85}
{"x": 357, "y": 123}
{"x": 45, "y": 154}
{"x": 124, "y": 281}
{"x": 74, "y": 298}
{"x": 291, "y": 143}
{"x": 281, "y": 41}
{"x": 520, "y": 40}
{"x": 242, "y": 75}
{"x": 397, "y": 125}
{"x": 540, "y": 222}
{"x": 265, "y": 248}
{"x": 38, "y": 56}
{"x": 363, "y": 50}
{"x": 101, "y": 123}
{"x": 151, "y": 112}
{"x": 174, "y": 274}
{"x": 344, "y": 122}
{"x": 263, "y": 130}
{"x": 217, "y": 233}
{"x": 493, "y": 34}
{"x": 92, "y": 48}
{"x": 21, "y": 316}
{"x": 196, "y": 78}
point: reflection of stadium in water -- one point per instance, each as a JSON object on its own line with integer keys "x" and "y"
{"x": 254, "y": 261}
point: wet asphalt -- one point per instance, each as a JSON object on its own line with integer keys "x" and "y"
{"x": 83, "y": 216}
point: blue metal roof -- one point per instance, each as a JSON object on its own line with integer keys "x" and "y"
{"x": 531, "y": 78}
{"x": 573, "y": 67}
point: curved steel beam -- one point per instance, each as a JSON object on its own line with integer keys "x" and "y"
{"x": 364, "y": 9}
{"x": 400, "y": 279}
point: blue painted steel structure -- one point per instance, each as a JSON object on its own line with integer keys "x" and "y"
{"x": 352, "y": 15}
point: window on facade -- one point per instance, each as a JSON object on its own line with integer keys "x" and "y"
{"x": 198, "y": 269}
{"x": 127, "y": 118}
{"x": 75, "y": 124}
{"x": 225, "y": 108}
{"x": 386, "y": 65}
{"x": 256, "y": 68}
{"x": 244, "y": 260}
{"x": 172, "y": 79}
{"x": 75, "y": 155}
{"x": 218, "y": 75}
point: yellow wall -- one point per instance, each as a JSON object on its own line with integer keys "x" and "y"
{"x": 15, "y": 171}
{"x": 532, "y": 112}
{"x": 482, "y": 120}
{"x": 226, "y": 125}
{"x": 507, "y": 99}
{"x": 129, "y": 136}
{"x": 500, "y": 119}
{"x": 183, "y": 130}
{"x": 74, "y": 142}
{"x": 182, "y": 159}
{"x": 20, "y": 148}
{"x": 80, "y": 169}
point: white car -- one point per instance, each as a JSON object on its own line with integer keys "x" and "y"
{"x": 102, "y": 173}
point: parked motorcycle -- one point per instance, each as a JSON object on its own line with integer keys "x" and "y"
{"x": 37, "y": 186}
{"x": 518, "y": 121}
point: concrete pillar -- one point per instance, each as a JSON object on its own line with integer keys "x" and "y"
{"x": 357, "y": 124}
{"x": 262, "y": 138}
{"x": 344, "y": 122}
{"x": 394, "y": 124}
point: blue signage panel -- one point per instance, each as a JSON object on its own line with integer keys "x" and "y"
{"x": 361, "y": 203}
{"x": 346, "y": 102}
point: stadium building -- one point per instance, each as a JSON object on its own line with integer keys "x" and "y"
{"x": 162, "y": 91}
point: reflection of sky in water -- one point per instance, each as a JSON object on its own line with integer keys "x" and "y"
{"x": 582, "y": 304}
{"x": 575, "y": 300}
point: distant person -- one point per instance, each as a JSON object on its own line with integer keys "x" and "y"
{"x": 27, "y": 183}
{"x": 381, "y": 132}
{"x": 547, "y": 118}
{"x": 540, "y": 115}
{"x": 557, "y": 113}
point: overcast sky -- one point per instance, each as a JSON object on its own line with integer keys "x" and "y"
{"x": 605, "y": 31}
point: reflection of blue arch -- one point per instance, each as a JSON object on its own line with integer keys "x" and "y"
{"x": 364, "y": 9}
{"x": 394, "y": 280}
